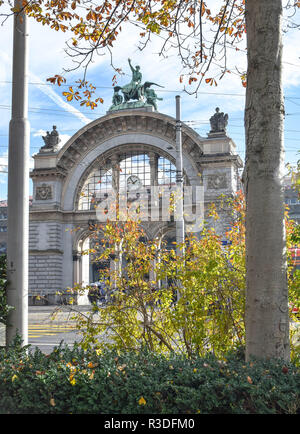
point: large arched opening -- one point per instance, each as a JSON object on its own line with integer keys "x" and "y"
{"x": 123, "y": 148}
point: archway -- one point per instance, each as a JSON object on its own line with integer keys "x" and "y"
{"x": 141, "y": 144}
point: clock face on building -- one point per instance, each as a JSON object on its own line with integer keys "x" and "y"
{"x": 134, "y": 183}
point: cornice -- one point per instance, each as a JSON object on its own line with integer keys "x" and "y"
{"x": 48, "y": 172}
{"x": 122, "y": 123}
{"x": 221, "y": 158}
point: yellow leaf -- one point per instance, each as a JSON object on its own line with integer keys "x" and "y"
{"x": 121, "y": 367}
{"x": 14, "y": 377}
{"x": 142, "y": 401}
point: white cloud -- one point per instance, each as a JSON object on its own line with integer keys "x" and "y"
{"x": 31, "y": 163}
{"x": 57, "y": 99}
{"x": 45, "y": 48}
{"x": 63, "y": 139}
{"x": 4, "y": 161}
{"x": 39, "y": 133}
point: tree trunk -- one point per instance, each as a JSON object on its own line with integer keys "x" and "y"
{"x": 267, "y": 319}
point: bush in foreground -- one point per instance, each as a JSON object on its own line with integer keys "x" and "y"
{"x": 78, "y": 381}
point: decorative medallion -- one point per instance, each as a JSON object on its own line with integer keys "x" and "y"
{"x": 43, "y": 192}
{"x": 215, "y": 182}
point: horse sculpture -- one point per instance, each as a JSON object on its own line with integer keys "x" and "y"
{"x": 135, "y": 90}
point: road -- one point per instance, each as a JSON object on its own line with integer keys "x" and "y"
{"x": 46, "y": 331}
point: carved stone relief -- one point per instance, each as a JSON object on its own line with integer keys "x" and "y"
{"x": 43, "y": 192}
{"x": 217, "y": 181}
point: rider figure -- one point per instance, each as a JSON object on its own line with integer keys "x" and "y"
{"x": 135, "y": 85}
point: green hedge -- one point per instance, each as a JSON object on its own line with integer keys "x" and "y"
{"x": 77, "y": 381}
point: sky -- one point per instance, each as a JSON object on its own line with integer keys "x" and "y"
{"x": 47, "y": 106}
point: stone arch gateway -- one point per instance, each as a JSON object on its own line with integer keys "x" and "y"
{"x": 143, "y": 140}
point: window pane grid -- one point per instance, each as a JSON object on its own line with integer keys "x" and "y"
{"x": 166, "y": 174}
{"x": 100, "y": 181}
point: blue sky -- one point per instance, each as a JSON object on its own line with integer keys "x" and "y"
{"x": 48, "y": 107}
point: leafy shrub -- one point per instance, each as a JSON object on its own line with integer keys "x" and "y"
{"x": 210, "y": 278}
{"x": 82, "y": 381}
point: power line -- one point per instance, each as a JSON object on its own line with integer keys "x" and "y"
{"x": 71, "y": 113}
{"x": 39, "y": 109}
{"x": 111, "y": 88}
{"x": 157, "y": 90}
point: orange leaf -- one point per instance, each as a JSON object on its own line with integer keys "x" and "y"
{"x": 51, "y": 79}
{"x": 249, "y": 380}
{"x": 57, "y": 78}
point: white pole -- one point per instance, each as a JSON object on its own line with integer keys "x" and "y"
{"x": 179, "y": 180}
{"x": 18, "y": 186}
{"x": 179, "y": 190}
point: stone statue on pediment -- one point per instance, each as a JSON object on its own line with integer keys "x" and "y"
{"x": 117, "y": 98}
{"x": 218, "y": 122}
{"x": 150, "y": 94}
{"x": 51, "y": 141}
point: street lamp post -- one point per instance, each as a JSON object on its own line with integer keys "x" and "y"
{"x": 179, "y": 180}
{"x": 179, "y": 184}
{"x": 18, "y": 185}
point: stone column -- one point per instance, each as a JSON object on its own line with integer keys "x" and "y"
{"x": 85, "y": 269}
{"x": 154, "y": 198}
{"x": 115, "y": 166}
{"x": 153, "y": 161}
{"x": 76, "y": 266}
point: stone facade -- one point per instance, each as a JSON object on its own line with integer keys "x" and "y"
{"x": 59, "y": 178}
{"x": 45, "y": 272}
